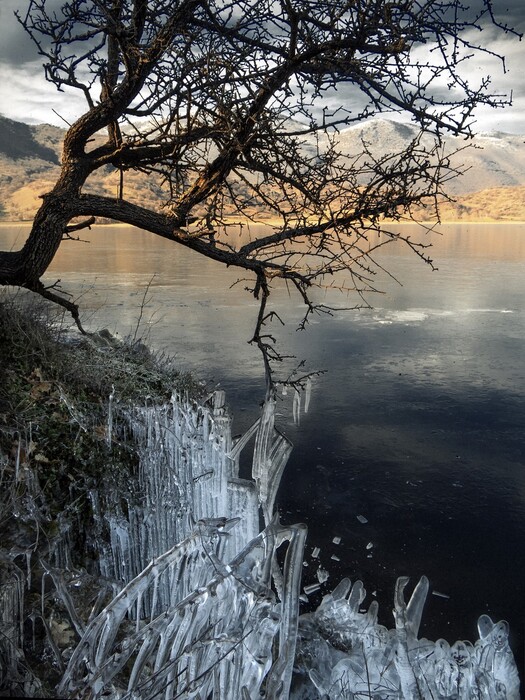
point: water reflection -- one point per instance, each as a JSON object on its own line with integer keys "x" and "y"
{"x": 418, "y": 425}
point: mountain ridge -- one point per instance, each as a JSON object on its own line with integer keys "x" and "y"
{"x": 492, "y": 188}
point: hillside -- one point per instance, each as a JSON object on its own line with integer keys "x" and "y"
{"x": 492, "y": 188}
{"x": 492, "y": 160}
{"x": 29, "y": 166}
{"x": 504, "y": 204}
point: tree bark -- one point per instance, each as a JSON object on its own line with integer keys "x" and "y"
{"x": 25, "y": 267}
{"x": 44, "y": 240}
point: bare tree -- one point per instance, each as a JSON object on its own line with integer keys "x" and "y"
{"x": 215, "y": 99}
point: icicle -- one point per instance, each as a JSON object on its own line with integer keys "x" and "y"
{"x": 415, "y": 606}
{"x": 28, "y": 568}
{"x": 12, "y": 584}
{"x": 296, "y": 408}
{"x": 139, "y": 608}
{"x": 17, "y": 461}
{"x": 109, "y": 431}
{"x": 307, "y": 394}
{"x": 43, "y": 593}
{"x": 356, "y": 596}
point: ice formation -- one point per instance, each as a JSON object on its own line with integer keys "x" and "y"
{"x": 345, "y": 653}
{"x": 206, "y": 617}
{"x": 195, "y": 597}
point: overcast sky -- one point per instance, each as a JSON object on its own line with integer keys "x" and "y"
{"x": 26, "y": 96}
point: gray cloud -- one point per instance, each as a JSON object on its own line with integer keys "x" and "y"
{"x": 25, "y": 95}
{"x": 30, "y": 98}
{"x": 16, "y": 47}
{"x": 511, "y": 12}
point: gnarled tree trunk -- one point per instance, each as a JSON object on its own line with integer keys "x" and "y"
{"x": 25, "y": 267}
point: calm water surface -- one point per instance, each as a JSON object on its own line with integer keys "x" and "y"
{"x": 417, "y": 424}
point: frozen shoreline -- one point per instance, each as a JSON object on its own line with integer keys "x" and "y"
{"x": 178, "y": 562}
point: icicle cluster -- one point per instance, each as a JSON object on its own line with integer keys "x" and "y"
{"x": 192, "y": 603}
{"x": 12, "y": 586}
{"x": 346, "y": 653}
{"x": 189, "y": 471}
{"x": 202, "y": 627}
{"x": 215, "y": 642}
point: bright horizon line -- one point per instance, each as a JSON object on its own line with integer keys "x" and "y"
{"x": 379, "y": 117}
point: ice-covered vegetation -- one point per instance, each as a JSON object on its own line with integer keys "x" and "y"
{"x": 159, "y": 572}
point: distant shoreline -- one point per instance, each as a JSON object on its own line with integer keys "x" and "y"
{"x": 270, "y": 222}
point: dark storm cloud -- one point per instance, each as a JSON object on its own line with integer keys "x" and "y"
{"x": 511, "y": 12}
{"x": 16, "y": 48}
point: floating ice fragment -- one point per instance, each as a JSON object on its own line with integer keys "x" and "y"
{"x": 440, "y": 595}
{"x": 362, "y": 519}
{"x": 315, "y": 552}
{"x": 322, "y": 575}
{"x": 335, "y": 557}
{"x": 312, "y": 588}
{"x": 370, "y": 545}
{"x": 336, "y": 540}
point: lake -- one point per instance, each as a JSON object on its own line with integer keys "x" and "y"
{"x": 417, "y": 425}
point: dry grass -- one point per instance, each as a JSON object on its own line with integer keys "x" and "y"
{"x": 55, "y": 450}
{"x": 54, "y": 393}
